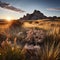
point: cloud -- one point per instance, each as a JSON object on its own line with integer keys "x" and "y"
{"x": 54, "y": 9}
{"x": 10, "y": 7}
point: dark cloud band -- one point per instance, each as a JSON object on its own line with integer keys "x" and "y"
{"x": 10, "y": 7}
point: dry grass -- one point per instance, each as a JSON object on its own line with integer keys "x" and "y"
{"x": 49, "y": 48}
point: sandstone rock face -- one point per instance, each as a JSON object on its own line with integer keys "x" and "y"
{"x": 34, "y": 16}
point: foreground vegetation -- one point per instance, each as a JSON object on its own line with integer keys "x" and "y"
{"x": 41, "y": 43}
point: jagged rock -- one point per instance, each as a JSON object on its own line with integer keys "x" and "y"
{"x": 34, "y": 16}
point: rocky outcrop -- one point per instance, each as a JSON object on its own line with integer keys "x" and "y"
{"x": 34, "y": 16}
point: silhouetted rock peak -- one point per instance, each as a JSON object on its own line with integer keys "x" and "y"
{"x": 36, "y": 11}
{"x": 34, "y": 16}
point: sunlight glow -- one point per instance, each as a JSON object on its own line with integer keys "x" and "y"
{"x": 8, "y": 18}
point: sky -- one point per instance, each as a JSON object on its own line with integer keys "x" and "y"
{"x": 48, "y": 7}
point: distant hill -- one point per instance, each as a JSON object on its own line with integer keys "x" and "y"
{"x": 3, "y": 22}
{"x": 34, "y": 16}
{"x": 37, "y": 15}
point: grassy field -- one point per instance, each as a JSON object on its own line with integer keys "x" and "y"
{"x": 51, "y": 26}
{"x": 32, "y": 40}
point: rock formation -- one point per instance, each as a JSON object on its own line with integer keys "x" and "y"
{"x": 34, "y": 16}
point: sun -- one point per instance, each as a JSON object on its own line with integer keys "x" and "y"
{"x": 8, "y": 18}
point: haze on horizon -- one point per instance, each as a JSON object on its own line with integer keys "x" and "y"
{"x": 48, "y": 7}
